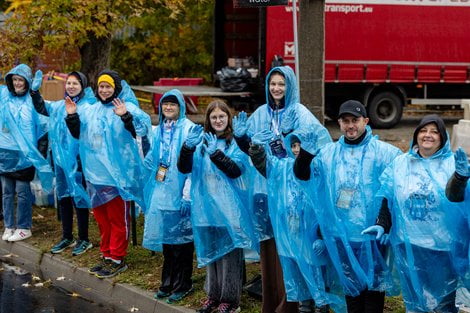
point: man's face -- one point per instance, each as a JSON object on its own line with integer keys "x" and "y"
{"x": 352, "y": 127}
{"x": 170, "y": 110}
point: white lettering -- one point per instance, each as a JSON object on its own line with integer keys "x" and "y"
{"x": 289, "y": 49}
{"x": 396, "y": 2}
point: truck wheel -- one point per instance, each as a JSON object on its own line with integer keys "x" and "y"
{"x": 385, "y": 110}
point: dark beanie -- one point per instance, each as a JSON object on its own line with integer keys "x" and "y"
{"x": 428, "y": 119}
{"x": 170, "y": 98}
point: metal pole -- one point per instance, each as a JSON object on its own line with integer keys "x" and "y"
{"x": 296, "y": 41}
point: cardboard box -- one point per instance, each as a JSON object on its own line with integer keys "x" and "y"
{"x": 53, "y": 90}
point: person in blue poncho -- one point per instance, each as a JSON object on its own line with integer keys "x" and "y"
{"x": 67, "y": 167}
{"x": 284, "y": 115}
{"x": 222, "y": 223}
{"x": 296, "y": 230}
{"x": 107, "y": 131}
{"x": 167, "y": 214}
{"x": 423, "y": 224}
{"x": 20, "y": 159}
{"x": 344, "y": 177}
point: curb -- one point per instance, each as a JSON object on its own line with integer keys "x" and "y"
{"x": 121, "y": 297}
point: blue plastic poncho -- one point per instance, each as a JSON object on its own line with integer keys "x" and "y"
{"x": 65, "y": 151}
{"x": 110, "y": 155}
{"x": 21, "y": 127}
{"x": 220, "y": 214}
{"x": 425, "y": 226}
{"x": 295, "y": 225}
{"x": 344, "y": 181}
{"x": 266, "y": 118}
{"x": 163, "y": 221}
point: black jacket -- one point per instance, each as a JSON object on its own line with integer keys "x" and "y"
{"x": 73, "y": 124}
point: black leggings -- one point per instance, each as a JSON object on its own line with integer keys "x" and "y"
{"x": 66, "y": 212}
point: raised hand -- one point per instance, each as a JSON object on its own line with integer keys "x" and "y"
{"x": 462, "y": 167}
{"x": 375, "y": 229}
{"x": 194, "y": 136}
{"x": 70, "y": 106}
{"x": 262, "y": 137}
{"x": 119, "y": 107}
{"x": 211, "y": 143}
{"x": 290, "y": 121}
{"x": 240, "y": 126}
{"x": 37, "y": 81}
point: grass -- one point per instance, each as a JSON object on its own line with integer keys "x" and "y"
{"x": 144, "y": 268}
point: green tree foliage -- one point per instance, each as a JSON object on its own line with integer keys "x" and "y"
{"x": 157, "y": 46}
{"x": 34, "y": 27}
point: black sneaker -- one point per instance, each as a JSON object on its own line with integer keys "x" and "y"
{"x": 111, "y": 269}
{"x": 228, "y": 308}
{"x": 99, "y": 266}
{"x": 208, "y": 306}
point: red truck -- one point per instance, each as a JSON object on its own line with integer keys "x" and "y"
{"x": 385, "y": 53}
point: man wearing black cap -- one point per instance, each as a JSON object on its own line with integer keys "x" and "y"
{"x": 346, "y": 175}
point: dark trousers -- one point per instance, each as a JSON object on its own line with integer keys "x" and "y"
{"x": 66, "y": 213}
{"x": 273, "y": 290}
{"x": 224, "y": 279}
{"x": 366, "y": 302}
{"x": 177, "y": 267}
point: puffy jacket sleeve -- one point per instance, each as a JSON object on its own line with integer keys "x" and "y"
{"x": 225, "y": 164}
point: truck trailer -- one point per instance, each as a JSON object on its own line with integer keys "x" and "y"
{"x": 385, "y": 53}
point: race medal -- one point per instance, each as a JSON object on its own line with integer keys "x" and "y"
{"x": 277, "y": 148}
{"x": 345, "y": 198}
{"x": 161, "y": 173}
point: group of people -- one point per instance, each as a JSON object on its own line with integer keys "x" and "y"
{"x": 335, "y": 224}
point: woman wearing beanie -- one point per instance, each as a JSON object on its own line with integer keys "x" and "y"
{"x": 423, "y": 225}
{"x": 70, "y": 184}
{"x": 112, "y": 166}
{"x": 21, "y": 130}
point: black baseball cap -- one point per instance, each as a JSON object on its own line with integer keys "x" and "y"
{"x": 352, "y": 107}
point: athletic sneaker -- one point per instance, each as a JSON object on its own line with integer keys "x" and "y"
{"x": 111, "y": 269}
{"x": 20, "y": 234}
{"x": 161, "y": 294}
{"x": 8, "y": 233}
{"x": 178, "y": 296}
{"x": 81, "y": 247}
{"x": 208, "y": 306}
{"x": 228, "y": 308}
{"x": 62, "y": 245}
{"x": 99, "y": 266}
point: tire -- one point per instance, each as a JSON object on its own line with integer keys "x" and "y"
{"x": 385, "y": 110}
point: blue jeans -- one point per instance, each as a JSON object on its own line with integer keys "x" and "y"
{"x": 24, "y": 203}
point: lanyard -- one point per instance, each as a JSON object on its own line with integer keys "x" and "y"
{"x": 166, "y": 148}
{"x": 276, "y": 118}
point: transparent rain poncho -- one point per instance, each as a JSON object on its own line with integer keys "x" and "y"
{"x": 266, "y": 118}
{"x": 295, "y": 225}
{"x": 110, "y": 155}
{"x": 220, "y": 214}
{"x": 425, "y": 226}
{"x": 163, "y": 221}
{"x": 20, "y": 129}
{"x": 65, "y": 150}
{"x": 344, "y": 180}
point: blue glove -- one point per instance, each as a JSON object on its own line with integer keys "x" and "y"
{"x": 308, "y": 141}
{"x": 318, "y": 247}
{"x": 185, "y": 209}
{"x": 290, "y": 121}
{"x": 211, "y": 143}
{"x": 194, "y": 136}
{"x": 385, "y": 240}
{"x": 462, "y": 167}
{"x": 379, "y": 230}
{"x": 37, "y": 81}
{"x": 240, "y": 126}
{"x": 262, "y": 137}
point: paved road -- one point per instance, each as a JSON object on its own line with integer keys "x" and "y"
{"x": 19, "y": 295}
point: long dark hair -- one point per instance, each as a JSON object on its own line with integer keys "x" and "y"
{"x": 218, "y": 103}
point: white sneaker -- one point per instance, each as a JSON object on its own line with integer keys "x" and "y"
{"x": 8, "y": 233}
{"x": 20, "y": 234}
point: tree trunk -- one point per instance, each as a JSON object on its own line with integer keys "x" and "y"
{"x": 311, "y": 55}
{"x": 95, "y": 56}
